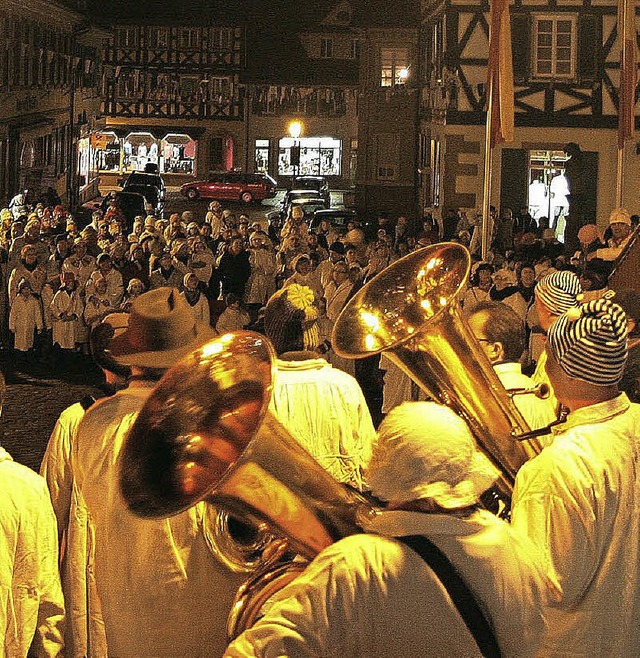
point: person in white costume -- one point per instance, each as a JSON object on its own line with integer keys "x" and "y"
{"x": 373, "y": 595}
{"x": 25, "y": 317}
{"x": 31, "y": 603}
{"x": 157, "y": 591}
{"x": 321, "y": 406}
{"x": 83, "y": 631}
{"x": 501, "y": 335}
{"x": 579, "y": 499}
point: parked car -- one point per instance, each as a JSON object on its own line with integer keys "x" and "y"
{"x": 317, "y": 183}
{"x": 131, "y": 204}
{"x": 151, "y": 193}
{"x": 139, "y": 178}
{"x": 296, "y": 195}
{"x": 308, "y": 200}
{"x": 339, "y": 219}
{"x": 232, "y": 186}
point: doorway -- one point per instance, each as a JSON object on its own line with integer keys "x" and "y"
{"x": 548, "y": 191}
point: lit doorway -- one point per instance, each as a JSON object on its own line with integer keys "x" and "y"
{"x": 548, "y": 190}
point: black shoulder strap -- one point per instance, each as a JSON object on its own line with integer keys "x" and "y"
{"x": 462, "y": 598}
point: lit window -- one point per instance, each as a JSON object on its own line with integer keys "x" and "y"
{"x": 394, "y": 63}
{"x": 326, "y": 48}
{"x": 555, "y": 46}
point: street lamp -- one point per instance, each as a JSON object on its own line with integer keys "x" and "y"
{"x": 295, "y": 130}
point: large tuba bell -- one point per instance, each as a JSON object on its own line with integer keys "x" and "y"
{"x": 411, "y": 311}
{"x": 205, "y": 434}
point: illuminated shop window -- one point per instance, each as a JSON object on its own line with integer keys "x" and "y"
{"x": 106, "y": 152}
{"x": 262, "y": 156}
{"x": 318, "y": 156}
{"x": 178, "y": 154}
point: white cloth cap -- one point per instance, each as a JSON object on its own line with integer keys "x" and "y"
{"x": 425, "y": 450}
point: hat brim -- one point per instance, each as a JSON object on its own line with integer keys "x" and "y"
{"x": 123, "y": 352}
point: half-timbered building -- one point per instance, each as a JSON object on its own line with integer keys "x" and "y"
{"x": 49, "y": 99}
{"x": 172, "y": 96}
{"x": 566, "y": 75}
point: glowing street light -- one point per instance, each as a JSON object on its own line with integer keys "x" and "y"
{"x": 295, "y": 130}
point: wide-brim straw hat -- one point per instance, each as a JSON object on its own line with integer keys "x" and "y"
{"x": 162, "y": 329}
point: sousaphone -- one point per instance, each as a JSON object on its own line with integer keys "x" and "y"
{"x": 411, "y": 311}
{"x": 205, "y": 434}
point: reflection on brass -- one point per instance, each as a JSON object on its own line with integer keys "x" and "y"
{"x": 411, "y": 311}
{"x": 205, "y": 434}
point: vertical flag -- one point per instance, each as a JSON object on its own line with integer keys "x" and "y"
{"x": 628, "y": 73}
{"x": 500, "y": 73}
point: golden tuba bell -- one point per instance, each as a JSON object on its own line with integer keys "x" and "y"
{"x": 205, "y": 434}
{"x": 411, "y": 311}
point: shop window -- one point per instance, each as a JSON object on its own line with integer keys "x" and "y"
{"x": 394, "y": 63}
{"x": 106, "y": 151}
{"x": 139, "y": 149}
{"x": 262, "y": 156}
{"x": 178, "y": 154}
{"x": 318, "y": 156}
{"x": 554, "y": 46}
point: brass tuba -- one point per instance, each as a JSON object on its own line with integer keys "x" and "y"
{"x": 411, "y": 311}
{"x": 205, "y": 434}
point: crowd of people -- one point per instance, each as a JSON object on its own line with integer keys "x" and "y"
{"x": 433, "y": 573}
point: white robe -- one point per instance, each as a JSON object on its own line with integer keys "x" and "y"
{"x": 25, "y": 317}
{"x": 325, "y": 410}
{"x": 262, "y": 281}
{"x": 579, "y": 501}
{"x": 65, "y": 332}
{"x": 31, "y": 603}
{"x": 370, "y": 596}
{"x": 159, "y": 592}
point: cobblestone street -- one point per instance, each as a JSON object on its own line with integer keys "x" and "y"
{"x": 34, "y": 399}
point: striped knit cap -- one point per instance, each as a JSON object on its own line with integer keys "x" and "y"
{"x": 590, "y": 342}
{"x": 290, "y": 319}
{"x": 558, "y": 291}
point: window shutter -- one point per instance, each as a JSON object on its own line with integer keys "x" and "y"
{"x": 589, "y": 41}
{"x": 521, "y": 46}
{"x": 514, "y": 178}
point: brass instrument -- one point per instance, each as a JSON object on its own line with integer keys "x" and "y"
{"x": 205, "y": 434}
{"x": 624, "y": 275}
{"x": 411, "y": 311}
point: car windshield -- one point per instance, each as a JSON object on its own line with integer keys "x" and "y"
{"x": 143, "y": 179}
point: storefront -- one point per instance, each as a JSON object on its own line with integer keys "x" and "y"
{"x": 122, "y": 150}
{"x": 319, "y": 156}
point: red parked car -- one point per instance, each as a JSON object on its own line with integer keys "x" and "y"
{"x": 232, "y": 186}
